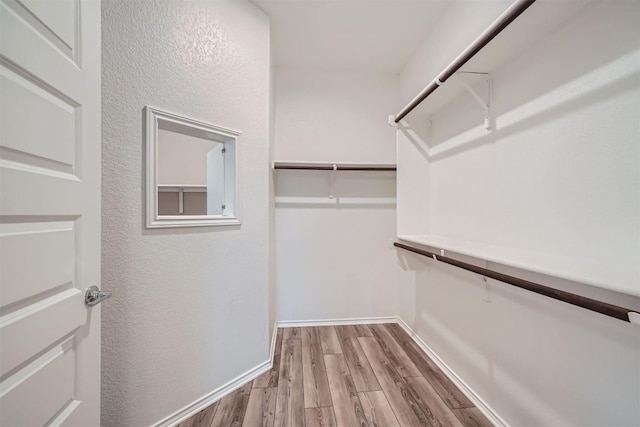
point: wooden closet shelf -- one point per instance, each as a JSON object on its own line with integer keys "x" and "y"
{"x": 335, "y": 166}
{"x": 602, "y": 274}
{"x": 622, "y": 313}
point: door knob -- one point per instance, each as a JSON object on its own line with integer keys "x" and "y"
{"x": 94, "y": 296}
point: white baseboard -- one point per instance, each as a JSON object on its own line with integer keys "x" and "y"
{"x": 200, "y": 404}
{"x": 335, "y": 322}
{"x": 274, "y": 335}
{"x": 491, "y": 415}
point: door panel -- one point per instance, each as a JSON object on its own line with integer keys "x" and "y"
{"x": 48, "y": 245}
{"x": 59, "y": 17}
{"x": 48, "y": 27}
{"x": 37, "y": 122}
{"x": 30, "y": 330}
{"x": 49, "y": 212}
{"x": 49, "y": 381}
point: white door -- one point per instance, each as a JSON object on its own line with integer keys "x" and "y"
{"x": 49, "y": 212}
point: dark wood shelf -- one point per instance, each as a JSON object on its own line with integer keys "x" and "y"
{"x": 335, "y": 166}
{"x": 601, "y": 307}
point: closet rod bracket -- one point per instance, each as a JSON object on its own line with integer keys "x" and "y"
{"x": 333, "y": 177}
{"x": 486, "y": 295}
{"x": 484, "y": 102}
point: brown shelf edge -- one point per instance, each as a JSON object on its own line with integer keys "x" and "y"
{"x": 601, "y": 307}
{"x": 329, "y": 167}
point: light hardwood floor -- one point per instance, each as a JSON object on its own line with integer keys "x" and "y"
{"x": 362, "y": 375}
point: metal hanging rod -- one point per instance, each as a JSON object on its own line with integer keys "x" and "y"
{"x": 607, "y": 309}
{"x": 494, "y": 29}
{"x": 334, "y": 166}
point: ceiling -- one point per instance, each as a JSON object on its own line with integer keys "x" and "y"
{"x": 349, "y": 35}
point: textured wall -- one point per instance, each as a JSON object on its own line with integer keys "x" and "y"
{"x": 166, "y": 337}
{"x": 333, "y": 260}
{"x": 560, "y": 175}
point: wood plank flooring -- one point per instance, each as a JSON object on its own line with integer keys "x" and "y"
{"x": 345, "y": 376}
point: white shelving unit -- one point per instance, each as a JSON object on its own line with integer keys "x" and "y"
{"x": 539, "y": 20}
{"x": 602, "y": 274}
{"x": 334, "y": 166}
{"x": 181, "y": 189}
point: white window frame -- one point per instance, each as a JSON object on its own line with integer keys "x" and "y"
{"x": 158, "y": 119}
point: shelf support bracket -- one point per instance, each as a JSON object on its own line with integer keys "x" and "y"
{"x": 485, "y": 104}
{"x": 333, "y": 177}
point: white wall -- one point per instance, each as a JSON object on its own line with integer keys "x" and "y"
{"x": 439, "y": 48}
{"x": 332, "y": 256}
{"x": 272, "y": 202}
{"x": 460, "y": 23}
{"x": 559, "y": 174}
{"x": 166, "y": 337}
{"x": 182, "y": 159}
{"x": 334, "y": 116}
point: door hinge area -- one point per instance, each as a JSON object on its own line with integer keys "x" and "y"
{"x": 224, "y": 150}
